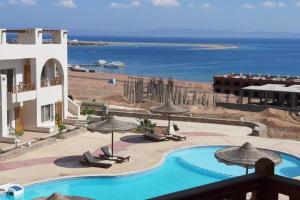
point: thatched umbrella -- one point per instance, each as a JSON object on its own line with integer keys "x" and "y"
{"x": 245, "y": 155}
{"x": 58, "y": 196}
{"x": 111, "y": 125}
{"x": 169, "y": 109}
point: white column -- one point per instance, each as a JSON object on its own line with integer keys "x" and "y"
{"x": 60, "y": 37}
{"x": 3, "y": 109}
{"x": 31, "y": 36}
{"x": 2, "y": 36}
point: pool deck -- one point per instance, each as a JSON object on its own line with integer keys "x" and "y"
{"x": 61, "y": 158}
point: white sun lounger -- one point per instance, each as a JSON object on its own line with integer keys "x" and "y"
{"x": 12, "y": 189}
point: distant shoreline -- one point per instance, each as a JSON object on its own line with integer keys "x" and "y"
{"x": 137, "y": 44}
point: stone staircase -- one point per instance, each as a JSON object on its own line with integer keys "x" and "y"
{"x": 74, "y": 118}
{"x": 79, "y": 121}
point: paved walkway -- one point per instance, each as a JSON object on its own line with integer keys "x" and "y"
{"x": 61, "y": 158}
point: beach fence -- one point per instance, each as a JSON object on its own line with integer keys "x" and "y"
{"x": 139, "y": 89}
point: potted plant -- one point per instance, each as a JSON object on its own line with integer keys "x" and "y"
{"x": 16, "y": 134}
{"x": 88, "y": 111}
{"x": 60, "y": 127}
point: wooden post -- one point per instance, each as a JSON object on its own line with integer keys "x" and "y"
{"x": 194, "y": 98}
{"x": 241, "y": 96}
{"x": 264, "y": 167}
{"x": 227, "y": 98}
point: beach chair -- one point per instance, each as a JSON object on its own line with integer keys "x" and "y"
{"x": 107, "y": 155}
{"x": 155, "y": 137}
{"x": 12, "y": 189}
{"x": 92, "y": 161}
{"x": 173, "y": 136}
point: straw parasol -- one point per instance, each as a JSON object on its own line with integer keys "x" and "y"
{"x": 58, "y": 196}
{"x": 169, "y": 109}
{"x": 111, "y": 125}
{"x": 245, "y": 155}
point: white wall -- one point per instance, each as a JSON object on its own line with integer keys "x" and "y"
{"x": 17, "y": 65}
{"x": 37, "y": 54}
{"x": 3, "y": 108}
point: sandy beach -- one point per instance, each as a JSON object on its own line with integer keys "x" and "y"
{"x": 89, "y": 86}
{"x": 192, "y": 45}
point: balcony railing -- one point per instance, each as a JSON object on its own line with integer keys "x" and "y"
{"x": 261, "y": 185}
{"x": 22, "y": 87}
{"x": 53, "y": 82}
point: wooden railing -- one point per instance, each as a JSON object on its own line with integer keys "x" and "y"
{"x": 53, "y": 82}
{"x": 20, "y": 88}
{"x": 261, "y": 185}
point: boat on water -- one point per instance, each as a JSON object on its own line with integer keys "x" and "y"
{"x": 77, "y": 68}
{"x": 101, "y": 62}
{"x": 114, "y": 65}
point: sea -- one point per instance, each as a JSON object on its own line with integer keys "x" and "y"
{"x": 181, "y": 58}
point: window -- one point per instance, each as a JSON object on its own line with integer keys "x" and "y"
{"x": 237, "y": 83}
{"x": 218, "y": 91}
{"x": 9, "y": 76}
{"x": 256, "y": 94}
{"x": 227, "y": 83}
{"x": 218, "y": 82}
{"x": 8, "y": 118}
{"x": 236, "y": 92}
{"x": 47, "y": 113}
{"x": 246, "y": 84}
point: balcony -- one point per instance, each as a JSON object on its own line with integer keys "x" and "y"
{"x": 53, "y": 82}
{"x": 33, "y": 36}
{"x": 261, "y": 185}
{"x": 22, "y": 87}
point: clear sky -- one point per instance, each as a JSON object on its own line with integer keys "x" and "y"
{"x": 96, "y": 16}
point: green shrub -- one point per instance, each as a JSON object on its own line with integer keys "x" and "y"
{"x": 146, "y": 125}
{"x": 61, "y": 127}
{"x": 14, "y": 133}
{"x": 88, "y": 111}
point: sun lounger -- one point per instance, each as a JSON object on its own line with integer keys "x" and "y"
{"x": 107, "y": 154}
{"x": 90, "y": 160}
{"x": 176, "y": 137}
{"x": 154, "y": 137}
{"x": 173, "y": 136}
{"x": 12, "y": 189}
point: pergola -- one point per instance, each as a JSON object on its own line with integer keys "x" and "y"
{"x": 277, "y": 94}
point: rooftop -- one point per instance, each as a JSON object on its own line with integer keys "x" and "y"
{"x": 275, "y": 88}
{"x": 260, "y": 77}
{"x": 32, "y": 36}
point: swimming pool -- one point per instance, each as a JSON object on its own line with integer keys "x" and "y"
{"x": 182, "y": 169}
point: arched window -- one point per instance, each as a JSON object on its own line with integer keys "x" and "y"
{"x": 52, "y": 73}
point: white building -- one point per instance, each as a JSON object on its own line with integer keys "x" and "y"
{"x": 34, "y": 80}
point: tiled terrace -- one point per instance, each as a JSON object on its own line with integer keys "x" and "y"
{"x": 61, "y": 158}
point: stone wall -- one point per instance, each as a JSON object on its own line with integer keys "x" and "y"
{"x": 261, "y": 129}
{"x": 25, "y": 148}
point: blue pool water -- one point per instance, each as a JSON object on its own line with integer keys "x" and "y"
{"x": 261, "y": 56}
{"x": 182, "y": 169}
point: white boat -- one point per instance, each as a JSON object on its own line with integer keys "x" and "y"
{"x": 77, "y": 68}
{"x": 115, "y": 64}
{"x": 101, "y": 62}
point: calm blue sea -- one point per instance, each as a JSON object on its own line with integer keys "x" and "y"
{"x": 261, "y": 56}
